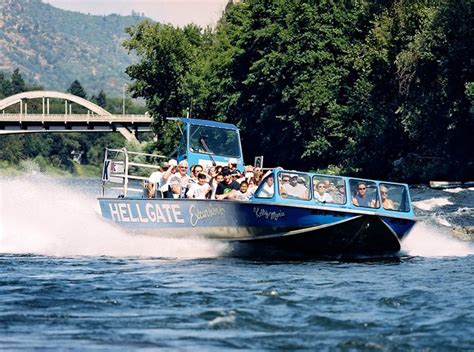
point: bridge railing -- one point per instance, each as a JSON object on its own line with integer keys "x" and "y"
{"x": 74, "y": 118}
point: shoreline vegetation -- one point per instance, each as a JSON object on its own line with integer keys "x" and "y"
{"x": 38, "y": 165}
{"x": 379, "y": 90}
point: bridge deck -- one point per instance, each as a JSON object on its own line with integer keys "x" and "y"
{"x": 125, "y": 124}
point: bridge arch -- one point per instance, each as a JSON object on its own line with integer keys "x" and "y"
{"x": 36, "y": 94}
{"x": 121, "y": 123}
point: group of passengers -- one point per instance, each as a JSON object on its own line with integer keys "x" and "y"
{"x": 362, "y": 199}
{"x": 226, "y": 182}
{"x": 178, "y": 180}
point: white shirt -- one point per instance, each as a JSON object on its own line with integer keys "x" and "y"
{"x": 198, "y": 191}
{"x": 266, "y": 191}
{"x": 326, "y": 197}
{"x": 155, "y": 177}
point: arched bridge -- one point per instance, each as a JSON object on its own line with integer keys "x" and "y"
{"x": 96, "y": 118}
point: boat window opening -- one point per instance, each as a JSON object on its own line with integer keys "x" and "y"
{"x": 266, "y": 189}
{"x": 216, "y": 141}
{"x": 329, "y": 189}
{"x": 364, "y": 193}
{"x": 394, "y": 197}
{"x": 294, "y": 185}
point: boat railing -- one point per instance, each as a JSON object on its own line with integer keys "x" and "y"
{"x": 127, "y": 171}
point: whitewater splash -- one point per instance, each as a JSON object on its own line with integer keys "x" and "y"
{"x": 428, "y": 241}
{"x": 44, "y": 215}
{"x": 41, "y": 215}
{"x": 436, "y": 241}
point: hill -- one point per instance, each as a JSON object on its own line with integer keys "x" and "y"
{"x": 53, "y": 47}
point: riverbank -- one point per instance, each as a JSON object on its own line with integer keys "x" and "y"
{"x": 35, "y": 165}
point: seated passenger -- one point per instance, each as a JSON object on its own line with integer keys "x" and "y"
{"x": 154, "y": 183}
{"x": 387, "y": 203}
{"x": 228, "y": 184}
{"x": 200, "y": 189}
{"x": 267, "y": 189}
{"x": 175, "y": 188}
{"x": 252, "y": 186}
{"x": 295, "y": 187}
{"x": 339, "y": 196}
{"x": 214, "y": 183}
{"x": 242, "y": 194}
{"x": 361, "y": 199}
{"x": 321, "y": 193}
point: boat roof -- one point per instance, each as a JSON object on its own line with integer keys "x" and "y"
{"x": 207, "y": 123}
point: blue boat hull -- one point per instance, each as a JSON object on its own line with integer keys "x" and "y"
{"x": 309, "y": 230}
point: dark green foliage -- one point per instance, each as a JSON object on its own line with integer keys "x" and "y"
{"x": 17, "y": 82}
{"x": 379, "y": 89}
{"x": 76, "y": 89}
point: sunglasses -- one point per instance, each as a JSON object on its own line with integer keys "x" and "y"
{"x": 362, "y": 189}
{"x": 286, "y": 180}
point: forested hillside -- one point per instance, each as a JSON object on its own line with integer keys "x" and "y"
{"x": 382, "y": 89}
{"x": 53, "y": 47}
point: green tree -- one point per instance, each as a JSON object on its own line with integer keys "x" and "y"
{"x": 17, "y": 82}
{"x": 167, "y": 54}
{"x": 76, "y": 89}
{"x": 102, "y": 99}
{"x": 5, "y": 86}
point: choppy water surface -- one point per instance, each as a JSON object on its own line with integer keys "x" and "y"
{"x": 69, "y": 280}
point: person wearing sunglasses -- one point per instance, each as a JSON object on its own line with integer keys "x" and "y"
{"x": 387, "y": 203}
{"x": 361, "y": 198}
{"x": 321, "y": 193}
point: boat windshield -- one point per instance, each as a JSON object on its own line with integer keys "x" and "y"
{"x": 213, "y": 140}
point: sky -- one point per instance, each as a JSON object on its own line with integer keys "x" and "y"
{"x": 176, "y": 12}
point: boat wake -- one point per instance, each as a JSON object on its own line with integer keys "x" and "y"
{"x": 428, "y": 241}
{"x": 57, "y": 217}
{"x": 42, "y": 215}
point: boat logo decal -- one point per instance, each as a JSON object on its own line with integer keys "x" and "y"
{"x": 272, "y": 215}
{"x": 197, "y": 214}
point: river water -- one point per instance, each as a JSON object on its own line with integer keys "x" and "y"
{"x": 71, "y": 281}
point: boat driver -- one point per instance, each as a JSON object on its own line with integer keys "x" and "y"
{"x": 361, "y": 199}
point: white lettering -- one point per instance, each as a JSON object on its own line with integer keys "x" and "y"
{"x": 272, "y": 215}
{"x": 139, "y": 212}
{"x": 114, "y": 212}
{"x": 195, "y": 214}
{"x": 132, "y": 218}
{"x": 177, "y": 213}
{"x": 149, "y": 212}
{"x": 167, "y": 208}
{"x": 123, "y": 212}
{"x": 159, "y": 214}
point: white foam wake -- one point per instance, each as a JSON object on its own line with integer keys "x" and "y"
{"x": 428, "y": 241}
{"x": 39, "y": 215}
{"x": 430, "y": 204}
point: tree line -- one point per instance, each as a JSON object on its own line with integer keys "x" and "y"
{"x": 379, "y": 89}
